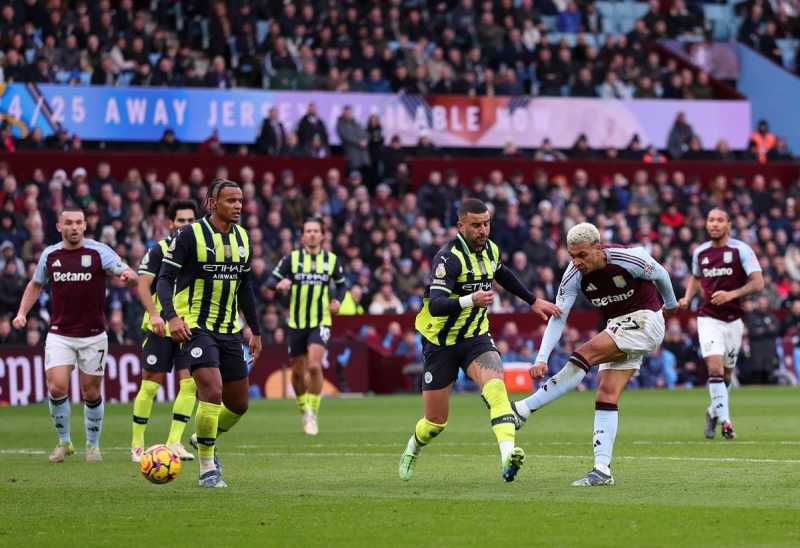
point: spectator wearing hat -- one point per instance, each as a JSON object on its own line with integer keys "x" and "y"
{"x": 763, "y": 139}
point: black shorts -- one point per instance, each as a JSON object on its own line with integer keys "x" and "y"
{"x": 160, "y": 354}
{"x": 299, "y": 339}
{"x": 223, "y": 351}
{"x": 441, "y": 363}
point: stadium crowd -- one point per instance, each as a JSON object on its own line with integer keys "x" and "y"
{"x": 388, "y": 233}
{"x": 501, "y": 47}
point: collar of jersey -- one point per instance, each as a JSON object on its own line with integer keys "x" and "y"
{"x": 468, "y": 248}
{"x": 212, "y": 228}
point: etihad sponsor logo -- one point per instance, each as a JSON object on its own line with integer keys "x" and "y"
{"x": 72, "y": 276}
{"x": 717, "y": 272}
{"x": 478, "y": 286}
{"x": 311, "y": 278}
{"x": 605, "y": 301}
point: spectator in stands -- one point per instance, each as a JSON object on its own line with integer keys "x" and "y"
{"x": 375, "y": 147}
{"x": 763, "y": 139}
{"x": 309, "y": 126}
{"x": 780, "y": 152}
{"x": 354, "y": 140}
{"x": 169, "y": 143}
{"x": 272, "y": 137}
{"x": 106, "y": 73}
{"x": 386, "y": 302}
{"x": 614, "y": 88}
{"x": 12, "y": 285}
{"x": 218, "y": 75}
{"x": 547, "y": 153}
{"x": 763, "y": 329}
{"x": 8, "y": 336}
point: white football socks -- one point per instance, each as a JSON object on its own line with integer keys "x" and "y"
{"x": 60, "y": 411}
{"x": 719, "y": 399}
{"x": 93, "y": 421}
{"x": 606, "y": 418}
{"x": 556, "y": 386}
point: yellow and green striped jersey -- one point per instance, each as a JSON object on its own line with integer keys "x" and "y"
{"x": 311, "y": 275}
{"x": 151, "y": 264}
{"x": 212, "y": 266}
{"x": 458, "y": 271}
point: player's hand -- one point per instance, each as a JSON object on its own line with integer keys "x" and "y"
{"x": 670, "y": 312}
{"x": 538, "y": 370}
{"x": 284, "y": 284}
{"x": 482, "y": 299}
{"x": 129, "y": 277}
{"x": 255, "y": 346}
{"x": 722, "y": 297}
{"x": 179, "y": 331}
{"x": 334, "y": 306}
{"x": 683, "y": 304}
{"x": 158, "y": 325}
{"x": 19, "y": 321}
{"x": 545, "y": 309}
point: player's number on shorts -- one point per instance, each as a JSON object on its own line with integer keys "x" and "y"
{"x": 101, "y": 364}
{"x": 628, "y": 324}
{"x": 324, "y": 333}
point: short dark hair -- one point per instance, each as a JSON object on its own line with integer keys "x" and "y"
{"x": 317, "y": 220}
{"x": 471, "y": 205}
{"x": 177, "y": 205}
{"x": 727, "y": 215}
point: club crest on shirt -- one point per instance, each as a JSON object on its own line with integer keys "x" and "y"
{"x": 727, "y": 256}
{"x": 86, "y": 261}
{"x": 440, "y": 271}
{"x": 241, "y": 251}
{"x": 227, "y": 250}
{"x": 619, "y": 281}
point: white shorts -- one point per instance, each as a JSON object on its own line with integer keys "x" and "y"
{"x": 637, "y": 334}
{"x": 718, "y": 338}
{"x": 88, "y": 353}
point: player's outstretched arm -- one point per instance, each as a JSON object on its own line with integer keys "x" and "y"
{"x": 30, "y": 296}
{"x": 567, "y": 293}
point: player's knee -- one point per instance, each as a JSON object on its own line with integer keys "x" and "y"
{"x": 90, "y": 392}
{"x": 578, "y": 359}
{"x": 437, "y": 418}
{"x": 57, "y": 390}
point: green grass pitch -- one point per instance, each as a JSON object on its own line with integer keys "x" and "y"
{"x": 341, "y": 488}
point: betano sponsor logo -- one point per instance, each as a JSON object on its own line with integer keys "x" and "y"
{"x": 605, "y": 301}
{"x": 72, "y": 276}
{"x": 716, "y": 272}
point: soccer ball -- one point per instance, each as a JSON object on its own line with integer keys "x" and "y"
{"x": 159, "y": 464}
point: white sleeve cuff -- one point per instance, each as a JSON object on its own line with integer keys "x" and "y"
{"x": 466, "y": 301}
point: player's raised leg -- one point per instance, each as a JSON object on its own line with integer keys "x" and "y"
{"x": 60, "y": 410}
{"x": 181, "y": 413}
{"x": 487, "y": 372}
{"x": 436, "y": 403}
{"x": 559, "y": 384}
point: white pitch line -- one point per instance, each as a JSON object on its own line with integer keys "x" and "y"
{"x": 310, "y": 454}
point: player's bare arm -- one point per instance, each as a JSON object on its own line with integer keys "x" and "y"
{"x": 129, "y": 277}
{"x": 754, "y": 285}
{"x": 31, "y": 295}
{"x": 143, "y": 292}
{"x": 692, "y": 289}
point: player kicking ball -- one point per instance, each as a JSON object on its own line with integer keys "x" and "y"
{"x": 727, "y": 270}
{"x": 159, "y": 352}
{"x": 76, "y": 269}
{"x": 624, "y": 285}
